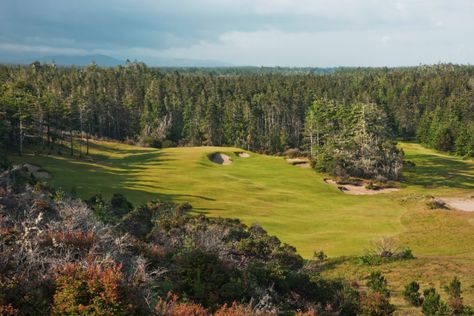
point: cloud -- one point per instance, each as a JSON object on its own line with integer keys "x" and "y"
{"x": 251, "y": 32}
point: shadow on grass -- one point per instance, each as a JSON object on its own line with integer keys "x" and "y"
{"x": 110, "y": 175}
{"x": 435, "y": 171}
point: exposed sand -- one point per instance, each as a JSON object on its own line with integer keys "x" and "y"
{"x": 37, "y": 172}
{"x": 460, "y": 204}
{"x": 299, "y": 162}
{"x": 359, "y": 190}
{"x": 242, "y": 154}
{"x": 221, "y": 159}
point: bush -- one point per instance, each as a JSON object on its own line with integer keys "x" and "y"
{"x": 376, "y": 304}
{"x": 168, "y": 143}
{"x": 385, "y": 250}
{"x": 149, "y": 141}
{"x": 412, "y": 294}
{"x": 453, "y": 289}
{"x": 292, "y": 153}
{"x": 8, "y": 310}
{"x": 119, "y": 205}
{"x": 138, "y": 222}
{"x": 171, "y": 307}
{"x": 431, "y": 302}
{"x": 376, "y": 282}
{"x": 234, "y": 310}
{"x": 347, "y": 300}
{"x": 319, "y": 255}
{"x": 435, "y": 204}
{"x": 94, "y": 290}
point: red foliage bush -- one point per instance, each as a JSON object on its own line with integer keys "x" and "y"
{"x": 171, "y": 307}
{"x": 234, "y": 310}
{"x": 93, "y": 290}
{"x": 8, "y": 310}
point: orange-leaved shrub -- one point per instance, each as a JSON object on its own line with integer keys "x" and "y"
{"x": 91, "y": 290}
{"x": 171, "y": 307}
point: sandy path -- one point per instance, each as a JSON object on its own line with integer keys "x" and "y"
{"x": 359, "y": 190}
{"x": 461, "y": 204}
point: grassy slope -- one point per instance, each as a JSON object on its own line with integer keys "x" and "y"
{"x": 293, "y": 203}
{"x": 296, "y": 205}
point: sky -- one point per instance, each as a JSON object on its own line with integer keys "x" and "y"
{"x": 295, "y": 33}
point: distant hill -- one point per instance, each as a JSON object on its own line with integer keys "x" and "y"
{"x": 106, "y": 61}
{"x": 76, "y": 60}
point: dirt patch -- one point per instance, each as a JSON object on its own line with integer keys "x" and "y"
{"x": 221, "y": 159}
{"x": 37, "y": 172}
{"x": 299, "y": 162}
{"x": 460, "y": 204}
{"x": 242, "y": 154}
{"x": 359, "y": 189}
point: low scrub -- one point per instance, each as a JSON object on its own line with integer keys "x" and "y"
{"x": 383, "y": 251}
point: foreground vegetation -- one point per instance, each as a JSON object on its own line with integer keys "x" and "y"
{"x": 284, "y": 199}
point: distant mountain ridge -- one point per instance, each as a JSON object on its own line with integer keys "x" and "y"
{"x": 107, "y": 61}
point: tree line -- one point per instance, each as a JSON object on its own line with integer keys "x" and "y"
{"x": 264, "y": 112}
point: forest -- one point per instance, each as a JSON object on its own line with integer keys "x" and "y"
{"x": 263, "y": 112}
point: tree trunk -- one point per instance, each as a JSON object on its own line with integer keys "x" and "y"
{"x": 21, "y": 137}
{"x": 87, "y": 144}
{"x": 72, "y": 143}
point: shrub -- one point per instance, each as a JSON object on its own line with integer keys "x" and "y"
{"x": 205, "y": 279}
{"x": 385, "y": 250}
{"x": 319, "y": 255}
{"x": 138, "y": 222}
{"x": 376, "y": 304}
{"x": 431, "y": 302}
{"x": 453, "y": 289}
{"x": 94, "y": 290}
{"x": 149, "y": 141}
{"x": 171, "y": 307}
{"x": 376, "y": 282}
{"x": 168, "y": 143}
{"x": 8, "y": 310}
{"x": 435, "y": 204}
{"x": 292, "y": 153}
{"x": 234, "y": 310}
{"x": 412, "y": 294}
{"x": 347, "y": 300}
{"x": 119, "y": 205}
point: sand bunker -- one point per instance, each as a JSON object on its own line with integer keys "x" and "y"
{"x": 299, "y": 162}
{"x": 242, "y": 154}
{"x": 37, "y": 172}
{"x": 359, "y": 189}
{"x": 221, "y": 159}
{"x": 460, "y": 204}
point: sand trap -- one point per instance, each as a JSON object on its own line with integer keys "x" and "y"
{"x": 359, "y": 190}
{"x": 460, "y": 204}
{"x": 221, "y": 159}
{"x": 242, "y": 154}
{"x": 299, "y": 162}
{"x": 37, "y": 172}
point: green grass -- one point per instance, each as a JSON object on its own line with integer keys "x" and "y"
{"x": 293, "y": 203}
{"x": 296, "y": 205}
